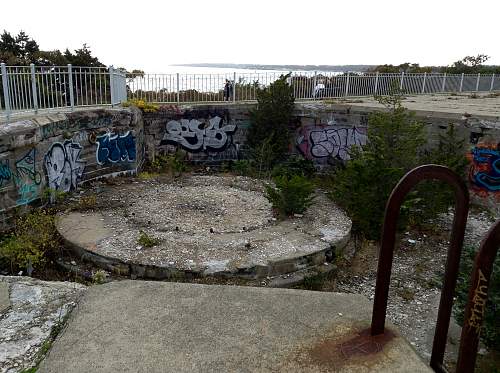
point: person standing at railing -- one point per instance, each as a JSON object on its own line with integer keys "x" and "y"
{"x": 227, "y": 90}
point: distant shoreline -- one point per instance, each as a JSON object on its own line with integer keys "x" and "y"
{"x": 336, "y": 68}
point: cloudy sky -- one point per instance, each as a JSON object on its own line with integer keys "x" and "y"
{"x": 152, "y": 34}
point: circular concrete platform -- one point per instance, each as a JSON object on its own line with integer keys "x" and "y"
{"x": 203, "y": 225}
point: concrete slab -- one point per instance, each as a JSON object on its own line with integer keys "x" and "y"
{"x": 203, "y": 225}
{"x": 482, "y": 104}
{"x": 141, "y": 326}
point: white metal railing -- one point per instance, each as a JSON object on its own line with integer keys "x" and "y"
{"x": 35, "y": 88}
{"x": 39, "y": 88}
{"x": 197, "y": 88}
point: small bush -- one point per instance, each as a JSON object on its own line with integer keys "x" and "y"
{"x": 243, "y": 167}
{"x": 170, "y": 163}
{"x": 146, "y": 240}
{"x": 290, "y": 196}
{"x": 490, "y": 333}
{"x": 33, "y": 240}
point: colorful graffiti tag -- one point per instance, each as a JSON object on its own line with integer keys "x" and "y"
{"x": 63, "y": 166}
{"x": 27, "y": 178}
{"x": 485, "y": 168}
{"x": 197, "y": 135}
{"x": 113, "y": 148}
{"x": 5, "y": 172}
{"x": 325, "y": 141}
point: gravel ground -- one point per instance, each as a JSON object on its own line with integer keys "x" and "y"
{"x": 210, "y": 224}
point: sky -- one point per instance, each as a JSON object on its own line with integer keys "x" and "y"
{"x": 150, "y": 35}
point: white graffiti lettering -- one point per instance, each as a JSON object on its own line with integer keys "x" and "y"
{"x": 64, "y": 166}
{"x": 335, "y": 142}
{"x": 195, "y": 135}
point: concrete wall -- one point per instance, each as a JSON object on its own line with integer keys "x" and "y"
{"x": 208, "y": 133}
{"x": 59, "y": 152}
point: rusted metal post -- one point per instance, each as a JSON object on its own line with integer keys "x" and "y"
{"x": 397, "y": 197}
{"x": 478, "y": 294}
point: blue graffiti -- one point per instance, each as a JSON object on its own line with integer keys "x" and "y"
{"x": 28, "y": 192}
{"x": 487, "y": 163}
{"x": 27, "y": 178}
{"x": 115, "y": 148}
{"x": 5, "y": 172}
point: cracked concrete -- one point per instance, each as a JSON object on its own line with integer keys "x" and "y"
{"x": 205, "y": 225}
{"x": 35, "y": 308}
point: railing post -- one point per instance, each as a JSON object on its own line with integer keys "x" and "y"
{"x": 33, "y": 88}
{"x": 401, "y": 83}
{"x": 492, "y": 81}
{"x": 477, "y": 82}
{"x": 444, "y": 82}
{"x": 70, "y": 83}
{"x": 234, "y": 87}
{"x": 178, "y": 93}
{"x": 112, "y": 85}
{"x": 376, "y": 84}
{"x": 462, "y": 82}
{"x": 315, "y": 83}
{"x": 347, "y": 85}
{"x": 423, "y": 83}
{"x": 5, "y": 85}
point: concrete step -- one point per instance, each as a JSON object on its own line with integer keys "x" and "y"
{"x": 142, "y": 326}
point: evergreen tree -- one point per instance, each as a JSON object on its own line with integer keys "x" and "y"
{"x": 269, "y": 133}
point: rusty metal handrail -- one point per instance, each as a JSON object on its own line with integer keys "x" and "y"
{"x": 397, "y": 197}
{"x": 478, "y": 294}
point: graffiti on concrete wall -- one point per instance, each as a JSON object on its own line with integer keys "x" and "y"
{"x": 484, "y": 172}
{"x": 195, "y": 135}
{"x": 113, "y": 148}
{"x": 5, "y": 172}
{"x": 326, "y": 141}
{"x": 63, "y": 166}
{"x": 27, "y": 178}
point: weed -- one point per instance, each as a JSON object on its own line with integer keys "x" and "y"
{"x": 146, "y": 240}
{"x": 33, "y": 240}
{"x": 406, "y": 293}
{"x": 86, "y": 203}
{"x": 148, "y": 175}
{"x": 99, "y": 277}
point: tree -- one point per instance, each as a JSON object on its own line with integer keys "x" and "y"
{"x": 269, "y": 132}
{"x": 472, "y": 65}
{"x": 363, "y": 186}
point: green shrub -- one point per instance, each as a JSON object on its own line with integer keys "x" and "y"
{"x": 434, "y": 197}
{"x": 34, "y": 239}
{"x": 295, "y": 165}
{"x": 172, "y": 163}
{"x": 290, "y": 196}
{"x": 363, "y": 186}
{"x": 243, "y": 167}
{"x": 269, "y": 133}
{"x": 490, "y": 332}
